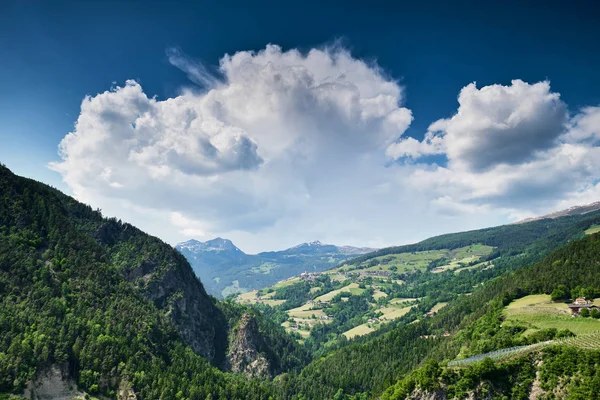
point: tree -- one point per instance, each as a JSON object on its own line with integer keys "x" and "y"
{"x": 595, "y": 313}
{"x": 584, "y": 312}
{"x": 560, "y": 293}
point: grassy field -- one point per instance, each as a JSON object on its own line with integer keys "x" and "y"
{"x": 532, "y": 300}
{"x": 593, "y": 229}
{"x": 475, "y": 249}
{"x": 285, "y": 283}
{"x": 539, "y": 312}
{"x": 404, "y": 262}
{"x": 304, "y": 311}
{"x": 438, "y": 307}
{"x": 464, "y": 256}
{"x": 391, "y": 313}
{"x": 253, "y": 297}
{"x": 359, "y": 330}
{"x": 407, "y": 262}
{"x": 352, "y": 288}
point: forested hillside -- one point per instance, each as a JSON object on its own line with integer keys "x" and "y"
{"x": 375, "y": 361}
{"x": 474, "y": 321}
{"x": 570, "y": 271}
{"x": 112, "y": 306}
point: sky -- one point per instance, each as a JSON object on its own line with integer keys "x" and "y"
{"x": 275, "y": 123}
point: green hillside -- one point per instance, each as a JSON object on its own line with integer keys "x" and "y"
{"x": 110, "y": 306}
{"x": 375, "y": 361}
{"x": 520, "y": 311}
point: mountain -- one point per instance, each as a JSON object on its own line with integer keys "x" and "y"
{"x": 225, "y": 269}
{"x": 575, "y": 210}
{"x": 94, "y": 306}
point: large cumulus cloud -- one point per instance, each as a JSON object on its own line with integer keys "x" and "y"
{"x": 269, "y": 137}
{"x": 509, "y": 147}
{"x": 280, "y": 147}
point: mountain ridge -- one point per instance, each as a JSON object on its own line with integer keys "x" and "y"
{"x": 226, "y": 269}
{"x": 574, "y": 210}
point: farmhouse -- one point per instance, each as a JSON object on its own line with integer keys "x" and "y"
{"x": 579, "y": 303}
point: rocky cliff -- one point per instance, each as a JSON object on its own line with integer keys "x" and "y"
{"x": 243, "y": 355}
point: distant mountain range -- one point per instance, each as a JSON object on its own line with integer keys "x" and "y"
{"x": 225, "y": 269}
{"x": 575, "y": 210}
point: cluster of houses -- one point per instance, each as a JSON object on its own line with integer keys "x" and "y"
{"x": 375, "y": 273}
{"x": 581, "y": 303}
{"x": 309, "y": 276}
{"x": 309, "y": 323}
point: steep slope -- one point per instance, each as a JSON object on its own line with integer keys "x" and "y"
{"x": 560, "y": 370}
{"x": 165, "y": 278}
{"x": 225, "y": 269}
{"x": 110, "y": 307}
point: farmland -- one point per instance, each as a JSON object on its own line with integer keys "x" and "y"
{"x": 593, "y": 229}
{"x": 539, "y": 312}
{"x": 357, "y": 299}
{"x": 589, "y": 341}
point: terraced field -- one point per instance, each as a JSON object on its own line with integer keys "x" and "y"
{"x": 589, "y": 342}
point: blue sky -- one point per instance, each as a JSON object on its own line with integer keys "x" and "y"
{"x": 53, "y": 54}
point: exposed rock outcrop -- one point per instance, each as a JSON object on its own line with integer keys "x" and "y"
{"x": 243, "y": 355}
{"x": 53, "y": 383}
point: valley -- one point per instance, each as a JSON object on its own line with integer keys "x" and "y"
{"x": 355, "y": 299}
{"x": 226, "y": 270}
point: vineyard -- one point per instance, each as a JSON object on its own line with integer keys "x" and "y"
{"x": 590, "y": 342}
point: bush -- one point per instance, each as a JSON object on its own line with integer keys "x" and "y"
{"x": 584, "y": 312}
{"x": 560, "y": 293}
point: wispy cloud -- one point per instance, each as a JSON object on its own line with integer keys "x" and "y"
{"x": 195, "y": 70}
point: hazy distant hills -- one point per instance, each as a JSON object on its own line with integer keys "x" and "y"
{"x": 225, "y": 269}
{"x": 576, "y": 210}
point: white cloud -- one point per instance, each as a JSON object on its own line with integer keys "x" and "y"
{"x": 510, "y": 148}
{"x": 280, "y": 134}
{"x": 285, "y": 147}
{"x": 493, "y": 125}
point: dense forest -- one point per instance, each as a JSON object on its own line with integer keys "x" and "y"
{"x": 110, "y": 304}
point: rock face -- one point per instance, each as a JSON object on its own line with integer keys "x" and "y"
{"x": 53, "y": 383}
{"x": 243, "y": 355}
